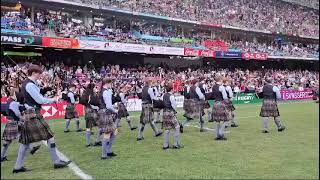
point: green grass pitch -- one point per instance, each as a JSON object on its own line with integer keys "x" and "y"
{"x": 247, "y": 153}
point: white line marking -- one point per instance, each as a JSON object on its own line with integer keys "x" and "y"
{"x": 72, "y": 165}
{"x": 188, "y": 125}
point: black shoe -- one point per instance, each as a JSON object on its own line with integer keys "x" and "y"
{"x": 158, "y": 122}
{"x": 181, "y": 128}
{"x": 210, "y": 120}
{"x": 98, "y": 144}
{"x": 104, "y": 158}
{"x": 203, "y": 130}
{"x": 164, "y": 148}
{"x": 134, "y": 128}
{"x": 61, "y": 164}
{"x": 234, "y": 125}
{"x": 66, "y": 131}
{"x": 35, "y": 149}
{"x": 282, "y": 129}
{"x": 265, "y": 131}
{"x": 226, "y": 127}
{"x": 223, "y": 138}
{"x": 177, "y": 147}
{"x": 158, "y": 134}
{"x": 88, "y": 145}
{"x": 217, "y": 138}
{"x": 140, "y": 139}
{"x": 79, "y": 130}
{"x": 4, "y": 159}
{"x": 23, "y": 169}
{"x": 111, "y": 154}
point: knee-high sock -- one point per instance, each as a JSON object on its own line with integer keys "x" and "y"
{"x": 201, "y": 123}
{"x": 233, "y": 117}
{"x": 98, "y": 135}
{"x": 176, "y": 135}
{"x": 53, "y": 151}
{"x": 67, "y": 124}
{"x": 209, "y": 114}
{"x": 158, "y": 116}
{"x": 105, "y": 145}
{"x": 222, "y": 127}
{"x": 141, "y": 129}
{"x": 218, "y": 129}
{"x": 129, "y": 122}
{"x": 78, "y": 123}
{"x": 265, "y": 123}
{"x": 154, "y": 128}
{"x": 117, "y": 122}
{"x": 166, "y": 137}
{"x": 4, "y": 149}
{"x": 21, "y": 155}
{"x": 112, "y": 139}
{"x": 278, "y": 122}
{"x": 88, "y": 137}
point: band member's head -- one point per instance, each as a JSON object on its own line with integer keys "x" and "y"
{"x": 194, "y": 82}
{"x": 107, "y": 83}
{"x": 34, "y": 71}
{"x": 269, "y": 80}
{"x": 168, "y": 87}
{"x": 218, "y": 79}
{"x": 72, "y": 87}
{"x": 148, "y": 82}
{"x": 226, "y": 81}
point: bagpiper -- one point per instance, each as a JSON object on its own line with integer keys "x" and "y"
{"x": 35, "y": 128}
{"x": 170, "y": 119}
{"x": 269, "y": 106}
{"x": 147, "y": 110}
{"x": 122, "y": 110}
{"x": 229, "y": 103}
{"x": 71, "y": 112}
{"x": 107, "y": 115}
{"x": 157, "y": 111}
{"x": 205, "y": 102}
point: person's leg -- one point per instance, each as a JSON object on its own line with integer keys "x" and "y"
{"x": 166, "y": 139}
{"x": 265, "y": 121}
{"x": 98, "y": 141}
{"x": 277, "y": 121}
{"x": 21, "y": 156}
{"x": 176, "y": 141}
{"x": 109, "y": 148}
{"x": 105, "y": 145}
{"x": 67, "y": 125}
{"x": 4, "y": 150}
{"x": 218, "y": 130}
{"x": 88, "y": 137}
{"x": 140, "y": 133}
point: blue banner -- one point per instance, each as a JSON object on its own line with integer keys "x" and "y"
{"x": 222, "y": 54}
{"x": 92, "y": 38}
{"x": 22, "y": 32}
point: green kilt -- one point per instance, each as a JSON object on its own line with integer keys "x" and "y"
{"x": 269, "y": 108}
{"x": 146, "y": 114}
{"x": 220, "y": 112}
{"x": 11, "y": 130}
{"x": 35, "y": 128}
{"x": 122, "y": 112}
{"x": 71, "y": 112}
{"x": 230, "y": 105}
{"x": 169, "y": 119}
{"x": 195, "y": 109}
{"x": 91, "y": 117}
{"x": 106, "y": 121}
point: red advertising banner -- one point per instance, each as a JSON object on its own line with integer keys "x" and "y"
{"x": 256, "y": 56}
{"x": 53, "y": 111}
{"x": 207, "y": 53}
{"x": 199, "y": 52}
{"x": 67, "y": 43}
{"x": 287, "y": 94}
{"x": 216, "y": 45}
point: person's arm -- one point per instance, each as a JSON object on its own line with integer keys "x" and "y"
{"x": 200, "y": 94}
{"x": 34, "y": 92}
{"x": 71, "y": 96}
{"x": 151, "y": 94}
{"x": 223, "y": 91}
{"x": 107, "y": 97}
{"x": 173, "y": 102}
{"x": 14, "y": 106}
{"x": 277, "y": 91}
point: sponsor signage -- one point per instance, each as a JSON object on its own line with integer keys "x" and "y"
{"x": 166, "y": 50}
{"x": 7, "y": 38}
{"x": 256, "y": 56}
{"x": 66, "y": 43}
{"x": 198, "y": 52}
{"x": 227, "y": 54}
{"x": 287, "y": 94}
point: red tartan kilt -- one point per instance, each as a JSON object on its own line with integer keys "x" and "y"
{"x": 269, "y": 108}
{"x": 11, "y": 130}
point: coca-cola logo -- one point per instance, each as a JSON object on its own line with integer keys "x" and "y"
{"x": 191, "y": 52}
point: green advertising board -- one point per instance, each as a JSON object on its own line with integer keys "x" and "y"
{"x": 243, "y": 98}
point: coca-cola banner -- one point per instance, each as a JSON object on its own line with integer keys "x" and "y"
{"x": 287, "y": 94}
{"x": 256, "y": 56}
{"x": 199, "y": 52}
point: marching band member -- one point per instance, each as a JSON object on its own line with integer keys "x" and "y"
{"x": 269, "y": 107}
{"x": 170, "y": 120}
{"x": 70, "y": 110}
{"x": 107, "y": 117}
{"x": 122, "y": 110}
{"x": 220, "y": 112}
{"x": 156, "y": 92}
{"x": 186, "y": 102}
{"x": 147, "y": 110}
{"x": 35, "y": 128}
{"x": 205, "y": 103}
{"x": 229, "y": 103}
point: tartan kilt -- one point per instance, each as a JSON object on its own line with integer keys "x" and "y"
{"x": 91, "y": 117}
{"x": 195, "y": 107}
{"x": 169, "y": 119}
{"x": 71, "y": 112}
{"x": 186, "y": 105}
{"x": 230, "y": 105}
{"x": 146, "y": 114}
{"x": 11, "y": 130}
{"x": 269, "y": 108}
{"x": 220, "y": 112}
{"x": 35, "y": 128}
{"x": 122, "y": 111}
{"x": 106, "y": 120}
{"x": 205, "y": 104}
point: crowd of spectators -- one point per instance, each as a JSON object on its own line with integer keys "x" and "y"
{"x": 270, "y": 15}
{"x": 57, "y": 77}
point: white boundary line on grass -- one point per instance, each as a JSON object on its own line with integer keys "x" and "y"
{"x": 72, "y": 165}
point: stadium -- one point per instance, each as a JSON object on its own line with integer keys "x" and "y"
{"x": 162, "y": 89}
